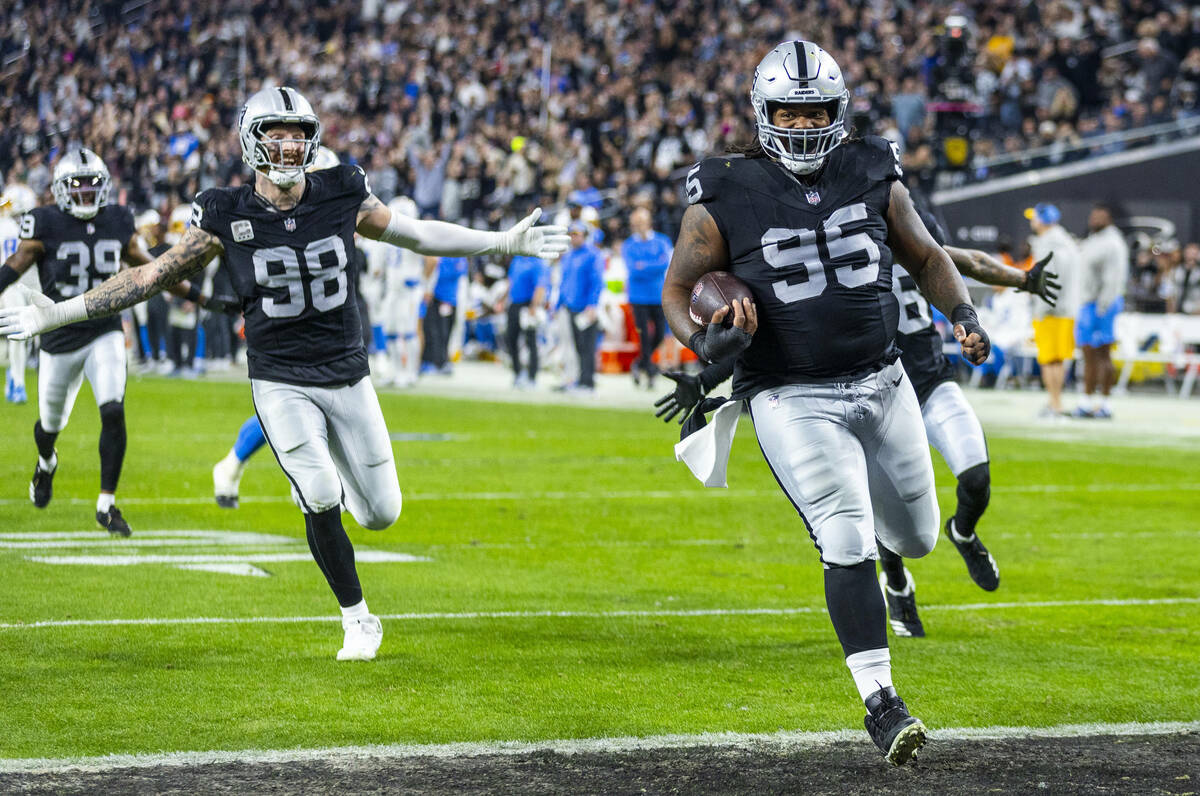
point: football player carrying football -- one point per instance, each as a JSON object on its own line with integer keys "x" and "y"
{"x": 287, "y": 239}
{"x": 809, "y": 219}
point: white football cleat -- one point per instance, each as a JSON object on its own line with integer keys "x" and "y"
{"x": 362, "y": 638}
{"x": 227, "y": 474}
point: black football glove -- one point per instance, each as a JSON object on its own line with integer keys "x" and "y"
{"x": 1041, "y": 282}
{"x": 715, "y": 342}
{"x": 223, "y": 305}
{"x": 977, "y": 353}
{"x": 688, "y": 392}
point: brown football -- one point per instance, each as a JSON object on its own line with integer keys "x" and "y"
{"x": 715, "y": 290}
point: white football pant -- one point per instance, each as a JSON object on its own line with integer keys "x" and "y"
{"x": 401, "y": 318}
{"x": 332, "y": 442}
{"x": 854, "y": 460}
{"x": 61, "y": 375}
{"x": 18, "y": 350}
{"x": 953, "y": 428}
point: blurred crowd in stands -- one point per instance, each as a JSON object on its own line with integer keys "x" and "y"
{"x": 480, "y": 110}
{"x": 451, "y": 102}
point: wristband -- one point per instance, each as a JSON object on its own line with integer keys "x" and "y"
{"x": 964, "y": 313}
{"x": 696, "y": 343}
{"x": 193, "y": 293}
{"x": 8, "y": 275}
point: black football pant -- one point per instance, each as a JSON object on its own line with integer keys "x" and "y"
{"x": 585, "y": 346}
{"x": 437, "y": 334}
{"x": 514, "y": 334}
{"x": 651, "y": 325}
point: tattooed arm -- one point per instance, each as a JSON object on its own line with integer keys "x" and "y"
{"x": 934, "y": 272}
{"x": 125, "y": 289}
{"x": 700, "y": 249}
{"x": 980, "y": 265}
{"x": 135, "y": 254}
{"x": 187, "y": 257}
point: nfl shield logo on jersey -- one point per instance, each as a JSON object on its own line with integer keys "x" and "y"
{"x": 813, "y": 197}
{"x": 289, "y": 224}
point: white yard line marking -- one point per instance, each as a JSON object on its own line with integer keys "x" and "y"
{"x": 651, "y": 494}
{"x": 632, "y": 614}
{"x": 784, "y": 741}
{"x": 367, "y": 556}
{"x": 73, "y": 539}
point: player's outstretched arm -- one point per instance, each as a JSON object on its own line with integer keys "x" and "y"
{"x": 934, "y": 272}
{"x": 135, "y": 255}
{"x": 125, "y": 289}
{"x": 442, "y": 239}
{"x": 980, "y": 265}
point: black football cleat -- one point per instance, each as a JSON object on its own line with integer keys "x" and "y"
{"x": 41, "y": 487}
{"x": 113, "y": 522}
{"x": 902, "y": 607}
{"x": 894, "y": 730}
{"x": 980, "y": 564}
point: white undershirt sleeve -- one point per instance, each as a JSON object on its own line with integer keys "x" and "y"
{"x": 439, "y": 238}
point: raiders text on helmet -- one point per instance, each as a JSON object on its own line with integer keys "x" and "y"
{"x": 272, "y": 106}
{"x": 799, "y": 73}
{"x": 81, "y": 183}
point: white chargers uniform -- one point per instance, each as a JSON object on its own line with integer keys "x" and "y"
{"x": 18, "y": 351}
{"x": 402, "y": 274}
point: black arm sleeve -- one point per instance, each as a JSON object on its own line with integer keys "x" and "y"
{"x": 7, "y": 277}
{"x": 716, "y": 373}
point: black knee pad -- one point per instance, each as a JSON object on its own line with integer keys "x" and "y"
{"x": 976, "y": 482}
{"x": 112, "y": 415}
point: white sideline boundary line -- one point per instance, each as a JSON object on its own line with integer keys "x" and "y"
{"x": 784, "y": 741}
{"x": 649, "y": 494}
{"x": 680, "y": 614}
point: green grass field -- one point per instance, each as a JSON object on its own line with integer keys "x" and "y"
{"x": 526, "y": 511}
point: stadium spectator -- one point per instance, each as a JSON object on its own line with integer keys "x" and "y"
{"x": 1183, "y": 283}
{"x": 1054, "y": 327}
{"x": 646, "y": 254}
{"x": 1104, "y": 257}
{"x": 528, "y": 287}
{"x": 152, "y": 91}
{"x": 582, "y": 281}
{"x": 445, "y": 275}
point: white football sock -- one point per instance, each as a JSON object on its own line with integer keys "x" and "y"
{"x": 872, "y": 670}
{"x": 105, "y": 502}
{"x": 956, "y": 535}
{"x": 356, "y": 611}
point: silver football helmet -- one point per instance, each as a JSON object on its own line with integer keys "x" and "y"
{"x": 326, "y": 159}
{"x": 271, "y": 106}
{"x": 799, "y": 72}
{"x": 81, "y": 183}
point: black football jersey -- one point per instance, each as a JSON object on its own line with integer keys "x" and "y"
{"x": 814, "y": 256}
{"x": 292, "y": 270}
{"x": 921, "y": 343}
{"x": 80, "y": 254}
